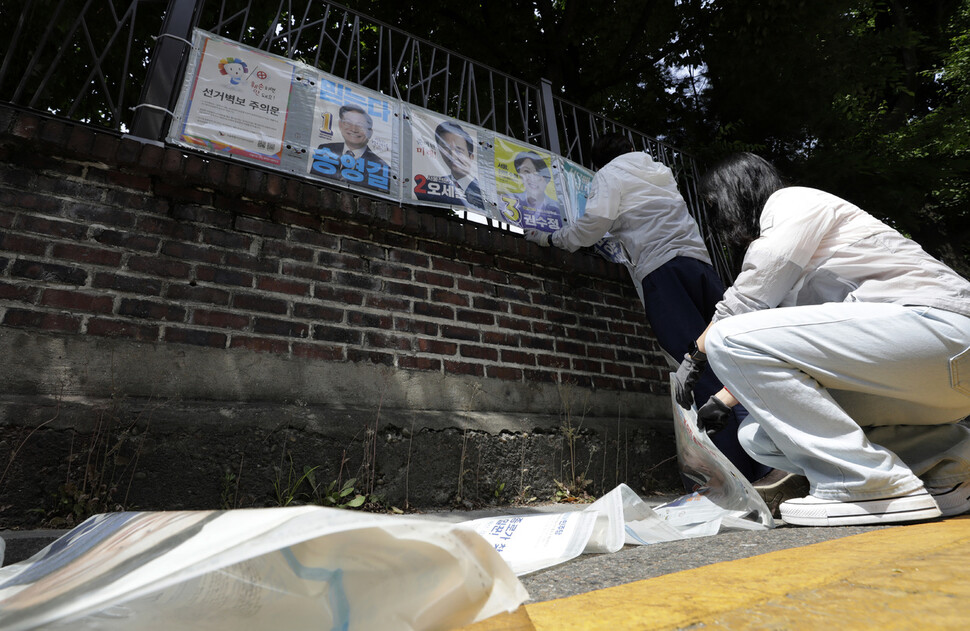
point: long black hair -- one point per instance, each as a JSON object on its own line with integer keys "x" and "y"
{"x": 609, "y": 146}
{"x": 736, "y": 190}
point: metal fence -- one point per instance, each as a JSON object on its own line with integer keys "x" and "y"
{"x": 118, "y": 64}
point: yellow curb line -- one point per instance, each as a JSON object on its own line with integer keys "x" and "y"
{"x": 908, "y": 576}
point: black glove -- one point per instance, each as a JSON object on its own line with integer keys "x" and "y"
{"x": 713, "y": 415}
{"x": 686, "y": 377}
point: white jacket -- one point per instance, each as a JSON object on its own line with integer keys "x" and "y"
{"x": 816, "y": 248}
{"x": 636, "y": 200}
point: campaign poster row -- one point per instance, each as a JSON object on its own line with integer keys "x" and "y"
{"x": 276, "y": 112}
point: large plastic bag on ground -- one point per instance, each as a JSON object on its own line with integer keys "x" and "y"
{"x": 288, "y": 568}
{"x": 724, "y": 500}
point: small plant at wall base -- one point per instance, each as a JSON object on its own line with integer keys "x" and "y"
{"x": 99, "y": 475}
{"x": 341, "y": 496}
{"x": 576, "y": 487}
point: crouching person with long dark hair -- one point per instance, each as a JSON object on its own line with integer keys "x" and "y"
{"x": 850, "y": 348}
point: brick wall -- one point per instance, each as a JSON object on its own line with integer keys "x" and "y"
{"x": 109, "y": 237}
{"x": 201, "y": 321}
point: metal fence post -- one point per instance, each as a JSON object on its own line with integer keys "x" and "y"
{"x": 159, "y": 94}
{"x": 549, "y": 117}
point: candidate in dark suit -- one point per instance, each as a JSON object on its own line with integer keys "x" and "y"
{"x": 356, "y": 127}
{"x": 457, "y": 151}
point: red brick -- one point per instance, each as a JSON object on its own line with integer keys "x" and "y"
{"x": 48, "y": 272}
{"x": 414, "y": 259}
{"x": 449, "y": 297}
{"x": 284, "y": 250}
{"x": 195, "y": 337}
{"x": 431, "y": 310}
{"x": 475, "y": 317}
{"x": 518, "y": 357}
{"x": 406, "y": 289}
{"x": 503, "y": 372}
{"x": 336, "y": 294}
{"x": 53, "y": 228}
{"x": 23, "y": 293}
{"x": 252, "y": 302}
{"x": 262, "y": 228}
{"x": 317, "y": 312}
{"x": 515, "y": 324}
{"x": 436, "y": 347}
{"x": 22, "y": 244}
{"x": 285, "y": 328}
{"x": 165, "y": 227}
{"x": 307, "y": 271}
{"x": 294, "y": 218}
{"x": 83, "y": 254}
{"x": 194, "y": 293}
{"x": 418, "y": 327}
{"x": 450, "y": 267}
{"x": 129, "y": 180}
{"x": 76, "y": 301}
{"x": 157, "y": 267}
{"x": 225, "y": 239}
{"x": 339, "y": 261}
{"x": 463, "y": 368}
{"x": 418, "y": 363}
{"x": 431, "y": 278}
{"x": 387, "y": 304}
{"x": 220, "y": 276}
{"x": 500, "y": 338}
{"x": 40, "y": 320}
{"x": 369, "y": 320}
{"x": 479, "y": 352}
{"x": 552, "y": 361}
{"x": 280, "y": 286}
{"x": 341, "y": 335}
{"x": 151, "y": 310}
{"x": 385, "y": 270}
{"x": 219, "y": 319}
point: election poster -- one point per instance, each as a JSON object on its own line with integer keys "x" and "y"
{"x": 355, "y": 136}
{"x": 526, "y": 188}
{"x": 444, "y": 162}
{"x": 237, "y": 102}
{"x": 577, "y": 182}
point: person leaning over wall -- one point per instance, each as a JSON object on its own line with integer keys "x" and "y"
{"x": 849, "y": 346}
{"x": 636, "y": 200}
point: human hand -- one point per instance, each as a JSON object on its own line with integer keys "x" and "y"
{"x": 713, "y": 415}
{"x": 538, "y": 237}
{"x": 686, "y": 378}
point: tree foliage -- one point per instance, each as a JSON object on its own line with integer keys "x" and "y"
{"x": 865, "y": 98}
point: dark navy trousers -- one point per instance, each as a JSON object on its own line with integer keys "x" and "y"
{"x": 680, "y": 297}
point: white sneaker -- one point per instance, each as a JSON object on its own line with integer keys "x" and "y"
{"x": 952, "y": 500}
{"x": 814, "y": 511}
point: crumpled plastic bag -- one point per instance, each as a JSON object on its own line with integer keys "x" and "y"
{"x": 289, "y": 568}
{"x": 724, "y": 500}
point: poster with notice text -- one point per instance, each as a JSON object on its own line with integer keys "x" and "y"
{"x": 354, "y": 138}
{"x": 237, "y": 102}
{"x": 525, "y": 186}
